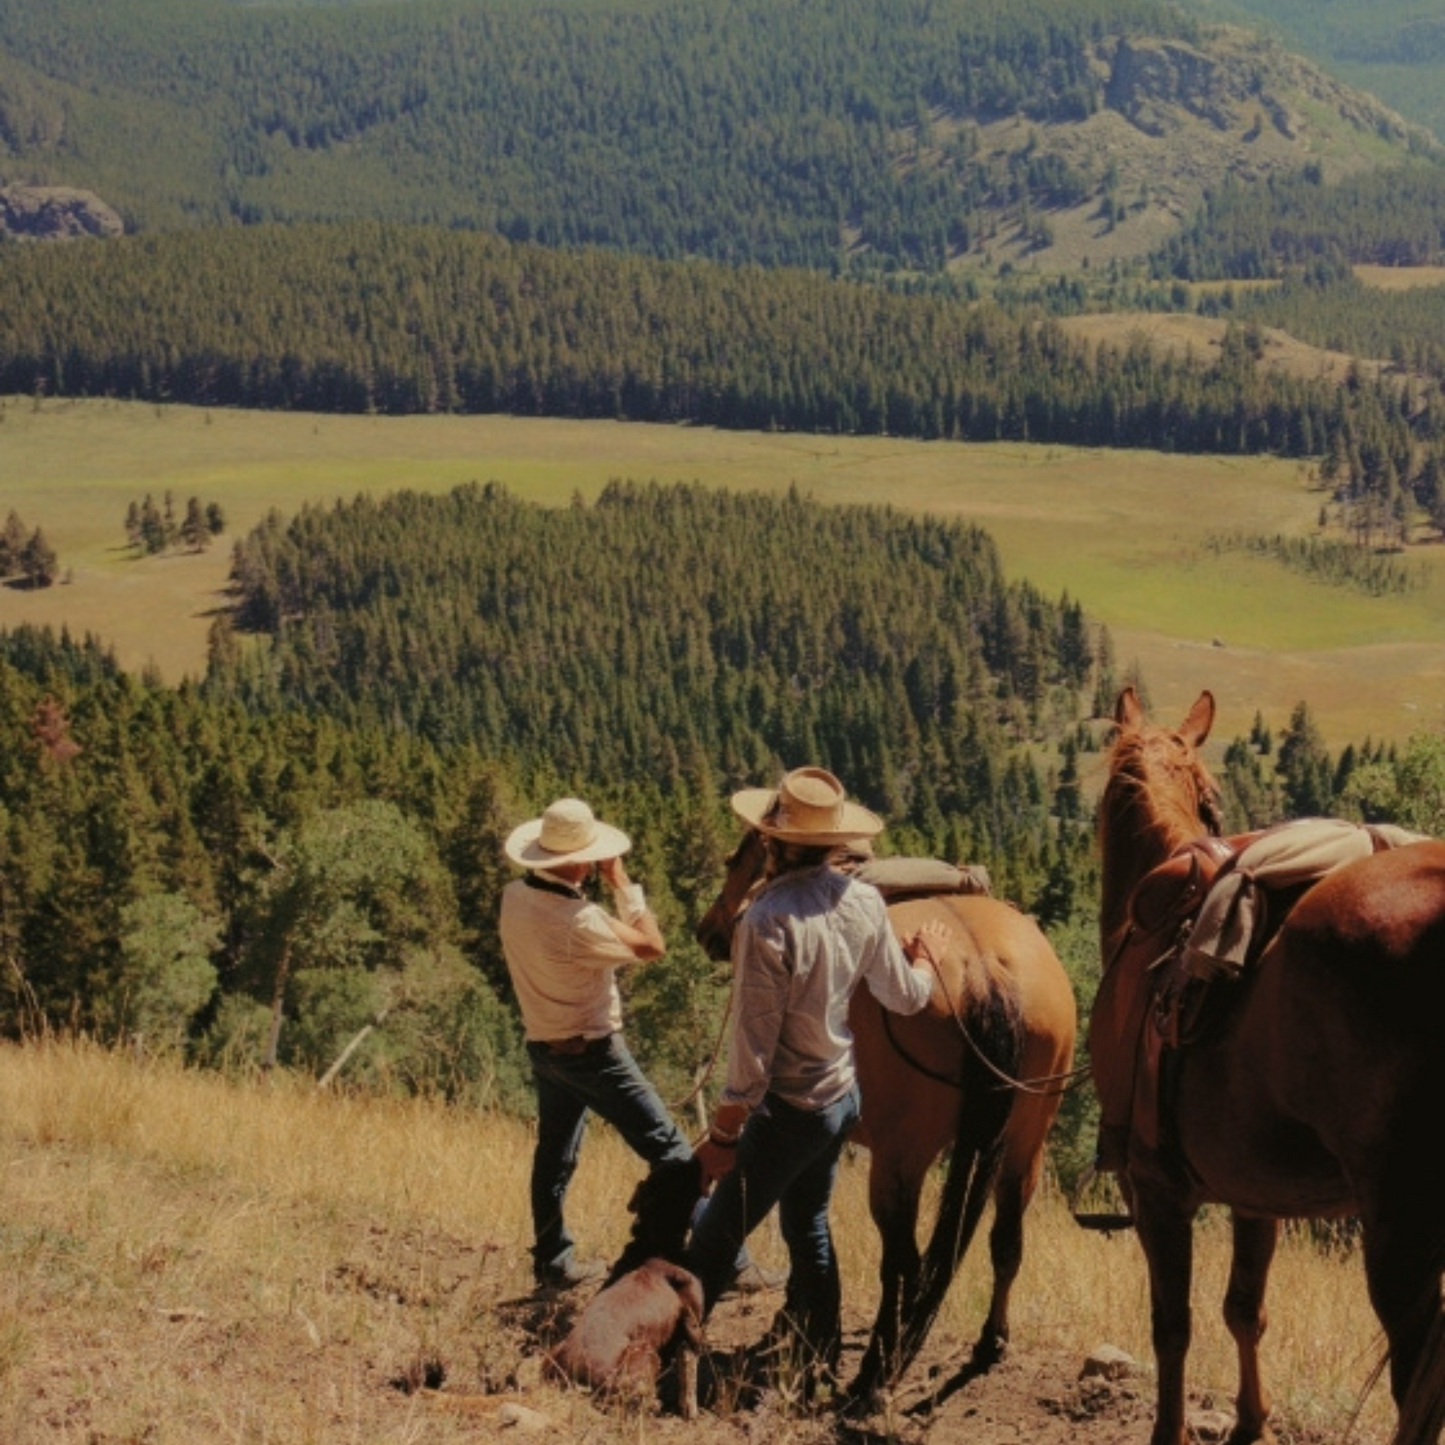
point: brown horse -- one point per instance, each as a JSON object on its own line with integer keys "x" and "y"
{"x": 981, "y": 1075}
{"x": 1315, "y": 1091}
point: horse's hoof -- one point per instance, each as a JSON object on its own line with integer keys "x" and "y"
{"x": 1251, "y": 1435}
{"x": 988, "y": 1352}
{"x": 859, "y": 1400}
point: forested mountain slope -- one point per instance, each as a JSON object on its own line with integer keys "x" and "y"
{"x": 863, "y": 132}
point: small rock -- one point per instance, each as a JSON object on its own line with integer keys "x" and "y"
{"x": 1210, "y": 1425}
{"x": 1108, "y": 1362}
{"x": 519, "y": 1417}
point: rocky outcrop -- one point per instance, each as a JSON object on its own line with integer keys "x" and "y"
{"x": 43, "y": 213}
{"x": 1160, "y": 86}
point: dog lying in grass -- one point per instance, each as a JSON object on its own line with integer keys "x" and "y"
{"x": 631, "y": 1330}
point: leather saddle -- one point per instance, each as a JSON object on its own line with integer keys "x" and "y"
{"x": 1147, "y": 1001}
{"x": 1196, "y": 923}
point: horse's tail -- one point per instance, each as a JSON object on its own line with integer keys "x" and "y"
{"x": 1422, "y": 1413}
{"x": 994, "y": 1046}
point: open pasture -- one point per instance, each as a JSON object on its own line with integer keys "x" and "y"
{"x": 1122, "y": 532}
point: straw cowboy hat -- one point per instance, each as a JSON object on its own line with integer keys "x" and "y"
{"x": 566, "y": 833}
{"x": 808, "y": 806}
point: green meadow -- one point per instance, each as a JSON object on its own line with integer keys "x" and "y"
{"x": 1125, "y": 533}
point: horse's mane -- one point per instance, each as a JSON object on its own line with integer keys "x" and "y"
{"x": 1153, "y": 797}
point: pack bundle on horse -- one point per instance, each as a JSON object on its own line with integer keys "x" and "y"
{"x": 982, "y": 1079}
{"x": 1299, "y": 1078}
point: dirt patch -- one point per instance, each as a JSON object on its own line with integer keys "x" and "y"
{"x": 1032, "y": 1397}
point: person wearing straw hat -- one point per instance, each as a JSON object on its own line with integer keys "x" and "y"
{"x": 806, "y": 941}
{"x": 563, "y": 951}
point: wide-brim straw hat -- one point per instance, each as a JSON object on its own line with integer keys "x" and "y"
{"x": 808, "y": 806}
{"x": 566, "y": 833}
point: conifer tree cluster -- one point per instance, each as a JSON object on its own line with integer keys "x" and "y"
{"x": 150, "y": 528}
{"x": 666, "y": 628}
{"x": 26, "y": 555}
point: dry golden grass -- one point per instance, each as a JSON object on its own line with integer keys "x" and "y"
{"x": 1181, "y": 334}
{"x": 1401, "y": 278}
{"x": 184, "y": 1258}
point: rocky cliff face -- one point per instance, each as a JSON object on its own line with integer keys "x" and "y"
{"x": 42, "y": 213}
{"x": 1160, "y": 85}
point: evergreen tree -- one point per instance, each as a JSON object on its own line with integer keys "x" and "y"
{"x": 1303, "y": 765}
{"x": 38, "y": 562}
{"x": 13, "y": 538}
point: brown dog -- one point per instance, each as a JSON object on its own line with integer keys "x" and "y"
{"x": 629, "y": 1332}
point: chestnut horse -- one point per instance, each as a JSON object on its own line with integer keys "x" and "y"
{"x": 1315, "y": 1091}
{"x": 981, "y": 1074}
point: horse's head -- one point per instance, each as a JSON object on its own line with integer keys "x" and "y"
{"x": 1158, "y": 784}
{"x": 1158, "y": 796}
{"x": 745, "y": 867}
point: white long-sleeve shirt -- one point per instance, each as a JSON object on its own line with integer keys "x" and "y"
{"x": 800, "y": 949}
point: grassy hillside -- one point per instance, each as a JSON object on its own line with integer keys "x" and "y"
{"x": 1123, "y": 533}
{"x": 326, "y": 1271}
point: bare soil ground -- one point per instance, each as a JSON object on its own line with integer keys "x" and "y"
{"x": 1038, "y": 1396}
{"x": 1032, "y": 1397}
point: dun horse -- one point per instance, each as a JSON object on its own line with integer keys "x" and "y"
{"x": 932, "y": 1082}
{"x": 1313, "y": 1088}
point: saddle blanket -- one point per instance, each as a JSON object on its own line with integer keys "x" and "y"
{"x": 1283, "y": 857}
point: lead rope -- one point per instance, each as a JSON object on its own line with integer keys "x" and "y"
{"x": 704, "y": 1074}
{"x": 1045, "y": 1085}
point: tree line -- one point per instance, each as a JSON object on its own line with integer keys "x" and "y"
{"x": 1386, "y": 216}
{"x": 410, "y": 319}
{"x": 1327, "y": 305}
{"x": 702, "y": 626}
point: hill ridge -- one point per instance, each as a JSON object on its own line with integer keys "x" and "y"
{"x": 862, "y": 136}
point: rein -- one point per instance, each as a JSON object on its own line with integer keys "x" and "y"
{"x": 706, "y": 1073}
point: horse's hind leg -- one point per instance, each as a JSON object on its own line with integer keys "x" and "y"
{"x": 1404, "y": 1247}
{"x": 894, "y": 1206}
{"x": 1246, "y": 1317}
{"x": 1006, "y": 1253}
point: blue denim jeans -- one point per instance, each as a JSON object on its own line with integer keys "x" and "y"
{"x": 605, "y": 1078}
{"x": 789, "y": 1157}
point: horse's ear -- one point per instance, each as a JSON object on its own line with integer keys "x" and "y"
{"x": 1129, "y": 711}
{"x": 1195, "y": 728}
